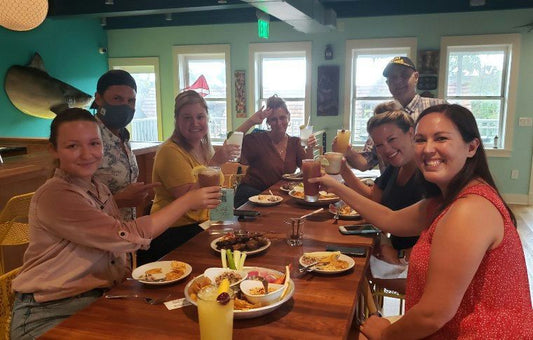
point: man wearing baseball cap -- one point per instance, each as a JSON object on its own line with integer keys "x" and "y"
{"x": 114, "y": 101}
{"x": 402, "y": 78}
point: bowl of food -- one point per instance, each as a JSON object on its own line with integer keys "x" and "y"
{"x": 216, "y": 275}
{"x": 255, "y": 292}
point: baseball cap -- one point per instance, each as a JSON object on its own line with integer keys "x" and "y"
{"x": 403, "y": 61}
{"x": 114, "y": 77}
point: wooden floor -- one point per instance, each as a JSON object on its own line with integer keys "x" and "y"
{"x": 524, "y": 218}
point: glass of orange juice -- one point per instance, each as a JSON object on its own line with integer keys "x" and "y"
{"x": 215, "y": 317}
{"x": 343, "y": 140}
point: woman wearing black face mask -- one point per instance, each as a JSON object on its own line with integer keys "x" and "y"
{"x": 115, "y": 103}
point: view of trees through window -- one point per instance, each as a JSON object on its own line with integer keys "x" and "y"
{"x": 475, "y": 80}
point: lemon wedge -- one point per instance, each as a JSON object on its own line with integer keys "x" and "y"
{"x": 196, "y": 170}
{"x": 302, "y": 127}
{"x": 224, "y": 286}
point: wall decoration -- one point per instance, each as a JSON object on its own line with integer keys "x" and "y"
{"x": 33, "y": 91}
{"x": 428, "y": 68}
{"x": 240, "y": 94}
{"x": 328, "y": 91}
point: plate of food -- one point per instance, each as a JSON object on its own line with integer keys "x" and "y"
{"x": 298, "y": 176}
{"x": 161, "y": 272}
{"x": 244, "y": 309}
{"x": 324, "y": 198}
{"x": 266, "y": 200}
{"x": 287, "y": 187}
{"x": 345, "y": 212}
{"x": 248, "y": 242}
{"x": 328, "y": 262}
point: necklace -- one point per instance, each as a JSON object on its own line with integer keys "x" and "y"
{"x": 280, "y": 146}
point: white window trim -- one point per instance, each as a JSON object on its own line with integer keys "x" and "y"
{"x": 205, "y": 49}
{"x": 370, "y": 44}
{"x": 139, "y": 62}
{"x": 253, "y": 64}
{"x": 512, "y": 40}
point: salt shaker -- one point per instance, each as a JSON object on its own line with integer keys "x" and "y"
{"x": 495, "y": 142}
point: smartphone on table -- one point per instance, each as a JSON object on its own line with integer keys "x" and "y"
{"x": 359, "y": 229}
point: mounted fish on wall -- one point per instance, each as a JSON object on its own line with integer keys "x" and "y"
{"x": 33, "y": 91}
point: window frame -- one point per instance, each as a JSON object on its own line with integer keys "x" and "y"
{"x": 368, "y": 45}
{"x": 257, "y": 51}
{"x": 182, "y": 53}
{"x": 142, "y": 63}
{"x": 509, "y": 82}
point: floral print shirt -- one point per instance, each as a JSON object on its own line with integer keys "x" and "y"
{"x": 119, "y": 165}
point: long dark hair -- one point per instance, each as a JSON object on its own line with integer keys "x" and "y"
{"x": 475, "y": 166}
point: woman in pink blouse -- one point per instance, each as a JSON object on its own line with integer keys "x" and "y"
{"x": 79, "y": 244}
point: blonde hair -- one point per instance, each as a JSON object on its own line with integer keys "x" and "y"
{"x": 190, "y": 97}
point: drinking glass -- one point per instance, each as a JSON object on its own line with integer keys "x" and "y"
{"x": 236, "y": 139}
{"x": 210, "y": 176}
{"x": 335, "y": 161}
{"x": 305, "y": 133}
{"x": 343, "y": 140}
{"x": 216, "y": 319}
{"x": 310, "y": 169}
{"x": 295, "y": 231}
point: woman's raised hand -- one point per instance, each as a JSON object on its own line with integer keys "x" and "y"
{"x": 203, "y": 198}
{"x": 327, "y": 182}
{"x": 259, "y": 116}
{"x": 225, "y": 153}
{"x": 311, "y": 141}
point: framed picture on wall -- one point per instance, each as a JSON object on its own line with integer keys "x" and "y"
{"x": 328, "y": 91}
{"x": 240, "y": 94}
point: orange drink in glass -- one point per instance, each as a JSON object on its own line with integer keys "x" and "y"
{"x": 216, "y": 318}
{"x": 343, "y": 140}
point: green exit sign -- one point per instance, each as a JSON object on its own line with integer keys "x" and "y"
{"x": 263, "y": 28}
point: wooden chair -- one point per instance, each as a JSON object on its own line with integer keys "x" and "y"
{"x": 6, "y": 302}
{"x": 380, "y": 293}
{"x": 14, "y": 229}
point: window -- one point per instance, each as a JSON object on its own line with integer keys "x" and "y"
{"x": 479, "y": 75}
{"x": 146, "y": 124}
{"x": 206, "y": 69}
{"x": 283, "y": 69}
{"x": 365, "y": 60}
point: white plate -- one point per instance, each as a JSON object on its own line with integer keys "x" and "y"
{"x": 293, "y": 177}
{"x": 320, "y": 202}
{"x": 165, "y": 266}
{"x": 343, "y": 257}
{"x": 255, "y": 312}
{"x": 353, "y": 215}
{"x": 251, "y": 252}
{"x": 265, "y": 200}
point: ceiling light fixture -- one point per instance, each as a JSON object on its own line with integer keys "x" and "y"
{"x": 103, "y": 21}
{"x": 168, "y": 16}
{"x": 23, "y": 15}
{"x": 109, "y": 2}
{"x": 477, "y": 3}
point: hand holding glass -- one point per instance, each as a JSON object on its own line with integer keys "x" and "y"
{"x": 305, "y": 133}
{"x": 236, "y": 139}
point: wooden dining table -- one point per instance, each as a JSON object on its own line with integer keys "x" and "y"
{"x": 323, "y": 305}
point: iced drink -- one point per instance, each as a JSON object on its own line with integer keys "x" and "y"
{"x": 305, "y": 133}
{"x": 311, "y": 169}
{"x": 216, "y": 319}
{"x": 343, "y": 140}
{"x": 335, "y": 161}
{"x": 236, "y": 139}
{"x": 295, "y": 232}
{"x": 209, "y": 177}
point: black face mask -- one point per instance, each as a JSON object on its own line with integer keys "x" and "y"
{"x": 116, "y": 116}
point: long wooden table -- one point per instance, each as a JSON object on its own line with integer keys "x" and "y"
{"x": 322, "y": 307}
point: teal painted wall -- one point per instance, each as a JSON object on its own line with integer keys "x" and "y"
{"x": 428, "y": 29}
{"x": 69, "y": 48}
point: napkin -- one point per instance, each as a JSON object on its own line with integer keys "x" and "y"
{"x": 384, "y": 270}
{"x": 178, "y": 303}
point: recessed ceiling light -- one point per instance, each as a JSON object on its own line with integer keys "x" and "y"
{"x": 109, "y": 2}
{"x": 168, "y": 16}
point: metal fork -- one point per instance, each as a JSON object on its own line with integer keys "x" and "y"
{"x": 146, "y": 299}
